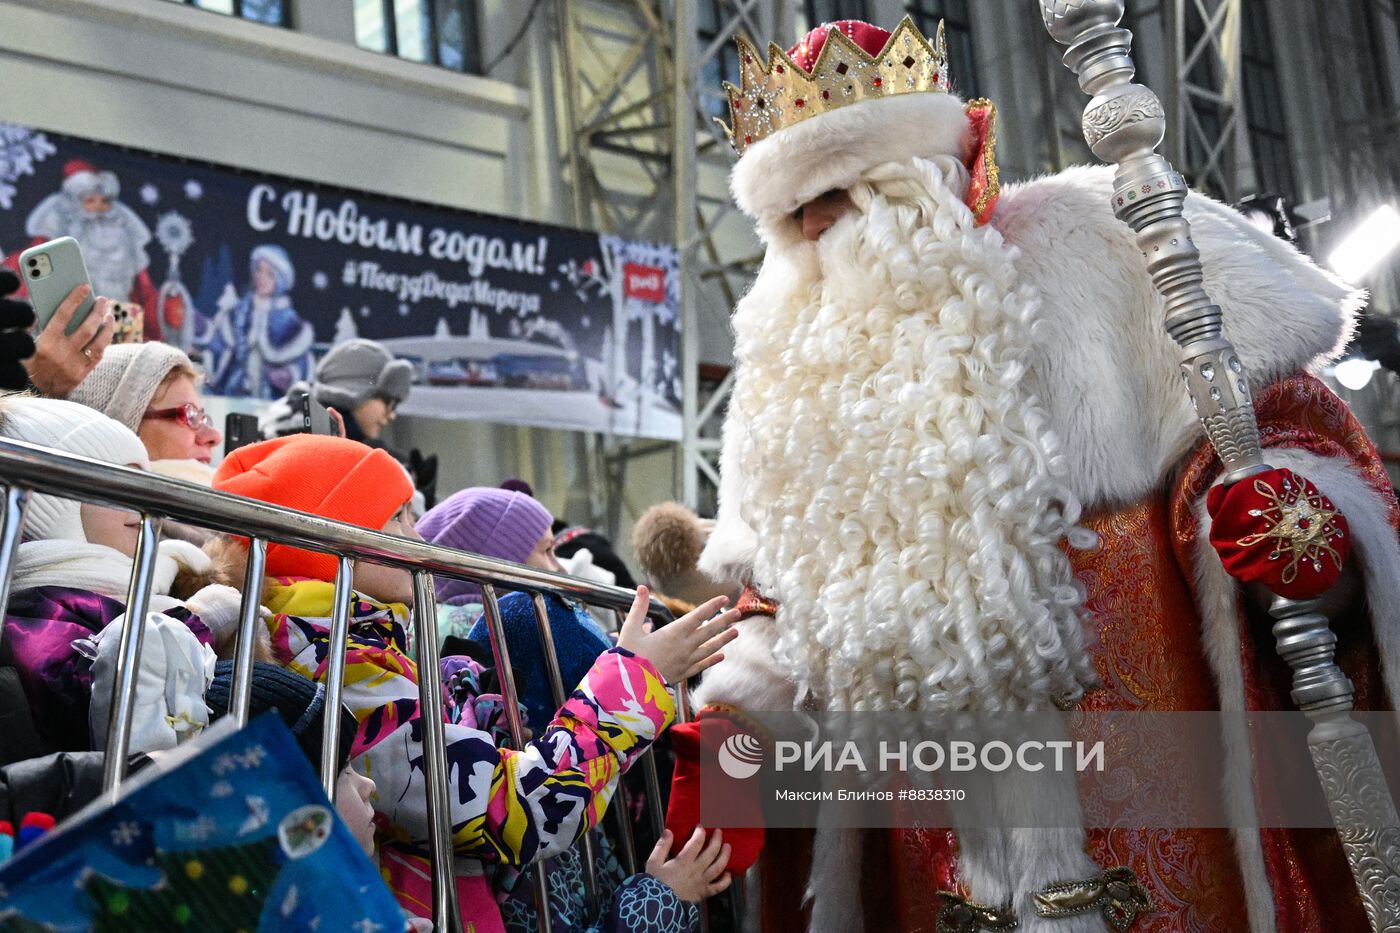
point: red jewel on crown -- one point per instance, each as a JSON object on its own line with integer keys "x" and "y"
{"x": 824, "y": 72}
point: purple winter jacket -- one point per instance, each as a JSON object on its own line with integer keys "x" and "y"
{"x": 41, "y": 624}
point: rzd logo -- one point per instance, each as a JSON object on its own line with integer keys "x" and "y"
{"x": 645, "y": 283}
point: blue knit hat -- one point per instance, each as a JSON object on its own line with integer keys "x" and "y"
{"x": 300, "y": 702}
{"x": 487, "y": 521}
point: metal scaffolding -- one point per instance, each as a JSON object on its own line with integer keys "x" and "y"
{"x": 639, "y": 82}
{"x": 1362, "y": 167}
{"x": 1209, "y": 141}
{"x": 1364, "y": 163}
{"x": 713, "y": 277}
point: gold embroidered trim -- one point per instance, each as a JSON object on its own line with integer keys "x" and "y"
{"x": 993, "y": 189}
{"x": 1301, "y": 527}
{"x": 957, "y": 914}
{"x": 1116, "y": 893}
{"x": 751, "y": 725}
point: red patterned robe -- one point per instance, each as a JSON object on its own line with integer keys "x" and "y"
{"x": 1143, "y": 612}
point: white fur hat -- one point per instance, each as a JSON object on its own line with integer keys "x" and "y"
{"x": 72, "y": 429}
{"x": 276, "y": 257}
{"x": 777, "y": 175}
{"x": 793, "y": 164}
{"x": 82, "y": 178}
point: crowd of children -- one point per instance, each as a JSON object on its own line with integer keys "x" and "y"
{"x": 508, "y": 807}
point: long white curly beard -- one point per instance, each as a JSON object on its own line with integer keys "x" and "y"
{"x": 907, "y": 495}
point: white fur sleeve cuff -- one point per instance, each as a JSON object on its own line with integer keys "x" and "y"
{"x": 748, "y": 678}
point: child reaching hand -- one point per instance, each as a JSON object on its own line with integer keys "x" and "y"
{"x": 659, "y": 900}
{"x": 508, "y": 806}
{"x": 697, "y": 871}
{"x": 662, "y": 899}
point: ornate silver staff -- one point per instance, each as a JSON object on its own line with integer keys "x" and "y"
{"x": 1124, "y": 124}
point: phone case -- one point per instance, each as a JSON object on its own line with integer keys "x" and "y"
{"x": 51, "y": 270}
{"x": 130, "y": 322}
{"x": 240, "y": 430}
{"x": 315, "y": 418}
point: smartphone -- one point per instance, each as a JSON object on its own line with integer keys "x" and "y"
{"x": 240, "y": 431}
{"x": 130, "y": 322}
{"x": 51, "y": 271}
{"x": 315, "y": 419}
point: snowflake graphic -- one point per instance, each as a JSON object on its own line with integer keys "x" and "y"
{"x": 174, "y": 232}
{"x": 586, "y": 321}
{"x": 320, "y": 280}
{"x": 403, "y": 310}
{"x": 194, "y": 190}
{"x": 260, "y": 813}
{"x": 126, "y": 833}
{"x": 364, "y": 310}
{"x": 225, "y": 764}
{"x": 368, "y": 926}
{"x": 221, "y": 790}
{"x": 253, "y": 757}
{"x": 20, "y": 149}
{"x": 150, "y": 194}
{"x": 201, "y": 830}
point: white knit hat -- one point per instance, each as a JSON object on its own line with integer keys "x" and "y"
{"x": 73, "y": 429}
{"x": 122, "y": 385}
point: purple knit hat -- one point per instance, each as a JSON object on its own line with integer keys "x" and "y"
{"x": 487, "y": 521}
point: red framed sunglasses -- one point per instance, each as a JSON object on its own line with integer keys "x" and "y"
{"x": 189, "y": 414}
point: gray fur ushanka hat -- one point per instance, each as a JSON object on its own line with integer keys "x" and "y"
{"x": 358, "y": 370}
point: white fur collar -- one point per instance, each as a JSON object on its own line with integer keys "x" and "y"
{"x": 1107, "y": 370}
{"x": 777, "y": 175}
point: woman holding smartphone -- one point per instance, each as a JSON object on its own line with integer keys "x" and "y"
{"x": 62, "y": 360}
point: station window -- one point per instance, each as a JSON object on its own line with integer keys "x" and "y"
{"x": 1268, "y": 127}
{"x": 435, "y": 32}
{"x": 724, "y": 65}
{"x": 271, "y": 12}
{"x": 957, "y": 30}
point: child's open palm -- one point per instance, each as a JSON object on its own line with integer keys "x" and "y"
{"x": 697, "y": 871}
{"x": 685, "y": 647}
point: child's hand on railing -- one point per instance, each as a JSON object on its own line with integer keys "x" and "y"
{"x": 697, "y": 871}
{"x": 685, "y": 647}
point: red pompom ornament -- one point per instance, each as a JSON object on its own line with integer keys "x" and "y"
{"x": 1277, "y": 529}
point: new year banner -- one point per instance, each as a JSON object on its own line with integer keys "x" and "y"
{"x": 257, "y": 277}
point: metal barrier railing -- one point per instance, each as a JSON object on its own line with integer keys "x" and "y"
{"x": 25, "y": 469}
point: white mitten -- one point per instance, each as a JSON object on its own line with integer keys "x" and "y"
{"x": 217, "y": 606}
{"x": 580, "y": 564}
{"x": 187, "y": 555}
{"x": 172, "y": 674}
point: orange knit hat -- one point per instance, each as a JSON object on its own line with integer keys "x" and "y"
{"x": 327, "y": 476}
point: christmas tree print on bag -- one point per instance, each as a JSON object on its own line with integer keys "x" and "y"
{"x": 233, "y": 833}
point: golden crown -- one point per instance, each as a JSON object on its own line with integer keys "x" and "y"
{"x": 781, "y": 93}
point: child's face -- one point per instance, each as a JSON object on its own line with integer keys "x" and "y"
{"x": 543, "y": 554}
{"x": 389, "y": 584}
{"x": 352, "y": 795}
{"x": 111, "y": 527}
